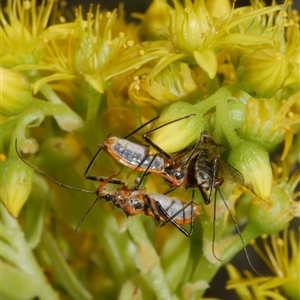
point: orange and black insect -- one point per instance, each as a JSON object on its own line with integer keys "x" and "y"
{"x": 134, "y": 201}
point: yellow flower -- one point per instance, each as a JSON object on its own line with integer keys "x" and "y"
{"x": 16, "y": 92}
{"x": 174, "y": 82}
{"x": 266, "y": 121}
{"x": 22, "y": 26}
{"x": 281, "y": 255}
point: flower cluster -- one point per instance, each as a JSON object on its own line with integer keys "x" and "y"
{"x": 69, "y": 79}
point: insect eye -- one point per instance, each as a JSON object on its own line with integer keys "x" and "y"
{"x": 108, "y": 197}
{"x": 179, "y": 175}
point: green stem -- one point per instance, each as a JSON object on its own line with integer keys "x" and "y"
{"x": 117, "y": 247}
{"x": 24, "y": 262}
{"x": 148, "y": 260}
{"x": 222, "y": 119}
{"x": 222, "y": 93}
{"x": 63, "y": 271}
{"x": 35, "y": 114}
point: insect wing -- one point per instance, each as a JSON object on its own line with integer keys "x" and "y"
{"x": 229, "y": 173}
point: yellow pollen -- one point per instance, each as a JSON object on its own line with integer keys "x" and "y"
{"x": 280, "y": 242}
{"x": 291, "y": 114}
{"x": 109, "y": 42}
{"x": 108, "y": 15}
{"x": 130, "y": 43}
{"x": 63, "y": 3}
{"x": 2, "y": 157}
{"x": 121, "y": 34}
{"x": 62, "y": 19}
{"x": 27, "y": 5}
{"x": 136, "y": 78}
{"x": 141, "y": 52}
{"x": 94, "y": 40}
{"x": 187, "y": 10}
{"x": 291, "y": 22}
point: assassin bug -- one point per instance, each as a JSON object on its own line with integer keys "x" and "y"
{"x": 197, "y": 166}
{"x": 135, "y": 201}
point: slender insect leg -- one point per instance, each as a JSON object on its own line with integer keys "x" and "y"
{"x": 153, "y": 208}
{"x": 137, "y": 186}
{"x": 171, "y": 218}
{"x": 100, "y": 178}
{"x": 155, "y": 146}
{"x": 139, "y": 128}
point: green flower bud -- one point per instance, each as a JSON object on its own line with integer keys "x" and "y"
{"x": 16, "y": 92}
{"x": 189, "y": 26}
{"x": 15, "y": 186}
{"x": 263, "y": 72}
{"x": 178, "y": 135}
{"x": 263, "y": 122}
{"x": 57, "y": 152}
{"x": 269, "y": 217}
{"x": 252, "y": 160}
{"x": 155, "y": 22}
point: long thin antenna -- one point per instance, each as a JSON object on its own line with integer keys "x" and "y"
{"x": 49, "y": 177}
{"x": 240, "y": 234}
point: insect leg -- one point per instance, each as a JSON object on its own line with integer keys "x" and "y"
{"x": 145, "y": 173}
{"x": 100, "y": 178}
{"x": 139, "y": 128}
{"x": 155, "y": 146}
{"x": 171, "y": 218}
{"x": 153, "y": 208}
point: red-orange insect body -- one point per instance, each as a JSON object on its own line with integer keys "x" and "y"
{"x": 197, "y": 166}
{"x": 162, "y": 208}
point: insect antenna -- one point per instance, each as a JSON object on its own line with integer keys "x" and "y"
{"x": 237, "y": 230}
{"x": 49, "y": 177}
{"x": 99, "y": 196}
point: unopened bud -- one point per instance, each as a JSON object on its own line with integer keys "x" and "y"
{"x": 252, "y": 160}
{"x": 15, "y": 186}
{"x": 16, "y": 92}
{"x": 179, "y": 134}
{"x": 263, "y": 72}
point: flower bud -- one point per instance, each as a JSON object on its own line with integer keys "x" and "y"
{"x": 155, "y": 22}
{"x": 179, "y": 134}
{"x": 271, "y": 216}
{"x": 15, "y": 186}
{"x": 16, "y": 92}
{"x": 57, "y": 152}
{"x": 263, "y": 122}
{"x": 189, "y": 26}
{"x": 252, "y": 160}
{"x": 263, "y": 72}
